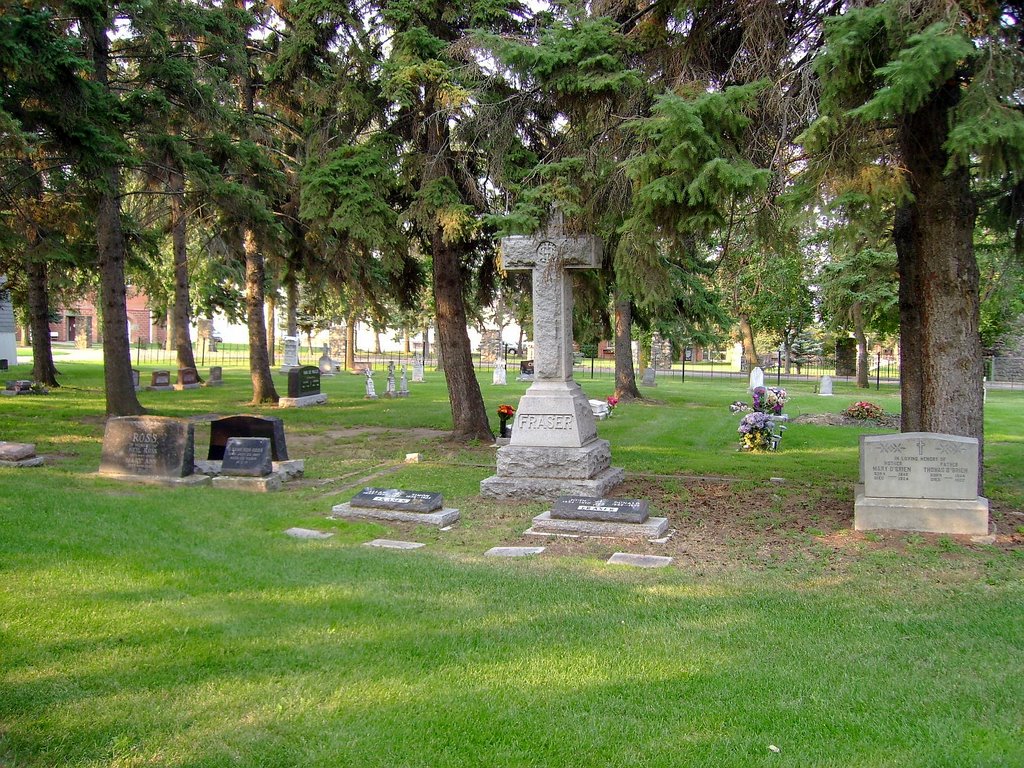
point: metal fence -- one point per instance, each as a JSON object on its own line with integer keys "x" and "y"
{"x": 881, "y": 369}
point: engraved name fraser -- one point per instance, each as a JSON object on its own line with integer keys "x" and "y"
{"x": 545, "y": 421}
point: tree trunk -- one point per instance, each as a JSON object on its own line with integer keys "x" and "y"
{"x": 407, "y": 341}
{"x": 438, "y": 349}
{"x": 376, "y": 342}
{"x": 43, "y": 369}
{"x": 940, "y": 346}
{"x": 292, "y": 308}
{"x": 350, "y": 342}
{"x": 625, "y": 376}
{"x": 182, "y": 314}
{"x": 271, "y": 330}
{"x": 857, "y": 314}
{"x": 469, "y": 415}
{"x": 169, "y": 325}
{"x": 113, "y": 305}
{"x": 259, "y": 360}
{"x": 747, "y": 339}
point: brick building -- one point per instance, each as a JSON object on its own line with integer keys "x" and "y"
{"x": 80, "y": 323}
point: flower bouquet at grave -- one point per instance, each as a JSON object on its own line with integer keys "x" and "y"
{"x": 505, "y": 412}
{"x": 864, "y": 411}
{"x": 757, "y": 432}
{"x": 770, "y": 399}
{"x": 739, "y": 407}
{"x": 612, "y": 402}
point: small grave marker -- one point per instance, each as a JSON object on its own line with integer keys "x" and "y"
{"x": 247, "y": 457}
{"x": 393, "y": 544}
{"x": 160, "y": 381}
{"x": 393, "y": 498}
{"x": 188, "y": 378}
{"x": 639, "y": 561}
{"x": 216, "y": 377}
{"x": 513, "y": 551}
{"x": 607, "y": 510}
{"x": 307, "y": 533}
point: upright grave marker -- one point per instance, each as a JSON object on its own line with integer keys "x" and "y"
{"x": 247, "y": 466}
{"x": 160, "y": 381}
{"x": 554, "y": 449}
{"x": 291, "y": 354}
{"x": 149, "y": 449}
{"x": 303, "y": 388}
{"x": 920, "y": 481}
{"x": 188, "y": 378}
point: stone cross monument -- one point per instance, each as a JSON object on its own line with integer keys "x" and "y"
{"x": 554, "y": 450}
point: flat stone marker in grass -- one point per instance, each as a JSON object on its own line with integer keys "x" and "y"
{"x": 513, "y": 551}
{"x": 639, "y": 561}
{"x": 396, "y": 505}
{"x": 308, "y": 533}
{"x": 393, "y": 544}
{"x": 610, "y": 518}
{"x": 19, "y": 455}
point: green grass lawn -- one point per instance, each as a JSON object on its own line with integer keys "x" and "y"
{"x": 142, "y": 626}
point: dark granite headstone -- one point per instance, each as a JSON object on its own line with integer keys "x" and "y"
{"x": 526, "y": 368}
{"x": 846, "y": 357}
{"x": 151, "y": 446}
{"x": 606, "y": 510}
{"x": 247, "y": 457}
{"x": 188, "y": 377}
{"x": 304, "y": 381}
{"x": 160, "y": 379}
{"x": 393, "y": 498}
{"x": 3, "y": 363}
{"x": 247, "y": 426}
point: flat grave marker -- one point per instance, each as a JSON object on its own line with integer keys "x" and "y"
{"x": 608, "y": 510}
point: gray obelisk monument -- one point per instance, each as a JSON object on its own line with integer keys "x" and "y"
{"x": 554, "y": 450}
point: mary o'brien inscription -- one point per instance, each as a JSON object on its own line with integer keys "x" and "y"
{"x": 920, "y": 465}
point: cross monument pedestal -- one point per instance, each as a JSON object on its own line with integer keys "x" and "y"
{"x": 554, "y": 450}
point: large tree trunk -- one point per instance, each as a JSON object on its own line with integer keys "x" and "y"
{"x": 272, "y": 330}
{"x": 117, "y": 352}
{"x": 747, "y": 339}
{"x": 350, "y": 342}
{"x": 940, "y": 346}
{"x": 469, "y": 415}
{"x": 263, "y": 390}
{"x": 625, "y": 375}
{"x": 117, "y": 355}
{"x": 43, "y": 369}
{"x": 292, "y": 309}
{"x": 857, "y": 314}
{"x": 182, "y": 314}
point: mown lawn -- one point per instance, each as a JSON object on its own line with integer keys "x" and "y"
{"x": 146, "y": 626}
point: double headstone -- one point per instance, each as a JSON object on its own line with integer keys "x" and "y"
{"x": 303, "y": 388}
{"x": 268, "y": 427}
{"x": 920, "y": 481}
{"x": 149, "y": 448}
{"x": 554, "y": 448}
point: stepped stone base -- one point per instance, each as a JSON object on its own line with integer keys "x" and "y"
{"x": 259, "y": 484}
{"x": 180, "y": 387}
{"x": 188, "y": 480}
{"x": 301, "y": 402}
{"x": 549, "y": 488}
{"x": 926, "y": 515}
{"x": 555, "y": 462}
{"x": 652, "y": 528}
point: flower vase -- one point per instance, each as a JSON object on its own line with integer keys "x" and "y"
{"x": 504, "y": 431}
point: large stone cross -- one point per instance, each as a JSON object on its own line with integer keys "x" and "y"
{"x": 550, "y": 254}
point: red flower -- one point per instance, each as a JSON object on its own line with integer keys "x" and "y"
{"x": 506, "y": 410}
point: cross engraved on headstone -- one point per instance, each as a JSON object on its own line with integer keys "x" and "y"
{"x": 549, "y": 255}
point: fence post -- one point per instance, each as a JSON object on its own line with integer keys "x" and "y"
{"x": 682, "y": 370}
{"x": 778, "y": 368}
{"x": 878, "y": 372}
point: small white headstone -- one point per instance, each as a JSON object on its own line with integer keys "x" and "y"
{"x": 499, "y": 378}
{"x": 371, "y": 390}
{"x": 756, "y": 378}
{"x": 825, "y": 386}
{"x": 417, "y": 369}
{"x": 291, "y": 352}
{"x": 600, "y": 409}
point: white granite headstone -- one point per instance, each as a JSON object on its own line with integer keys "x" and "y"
{"x": 291, "y": 352}
{"x": 499, "y": 378}
{"x": 825, "y": 386}
{"x": 756, "y": 378}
